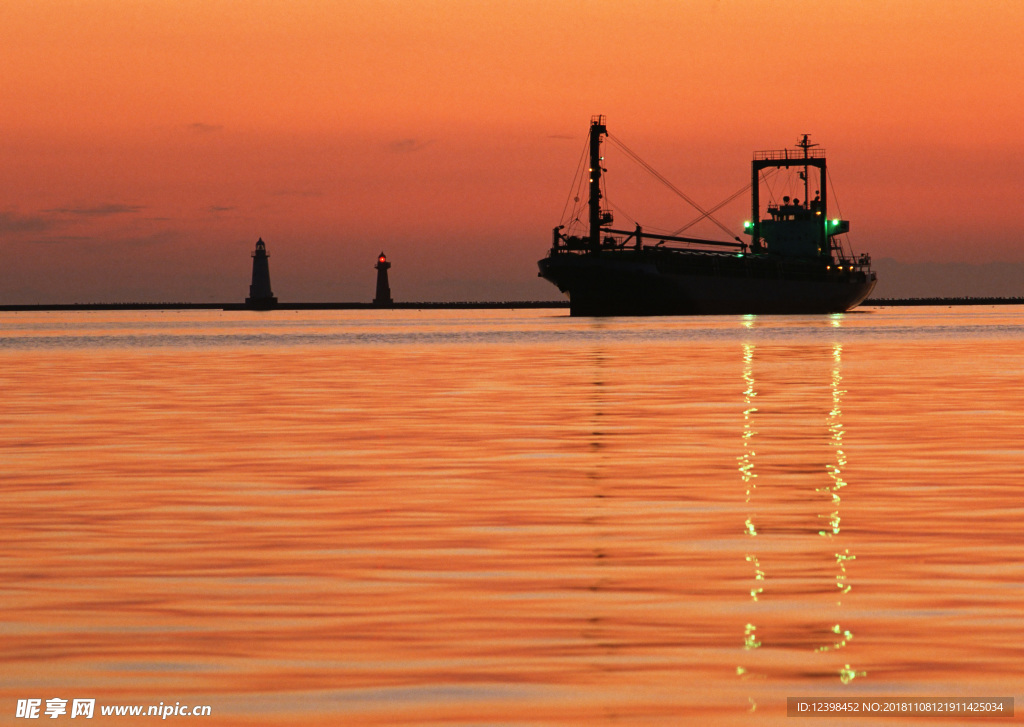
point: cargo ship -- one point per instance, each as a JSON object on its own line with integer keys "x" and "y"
{"x": 793, "y": 262}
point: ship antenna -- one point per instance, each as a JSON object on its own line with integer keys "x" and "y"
{"x": 806, "y": 145}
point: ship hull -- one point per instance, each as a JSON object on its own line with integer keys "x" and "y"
{"x": 666, "y": 282}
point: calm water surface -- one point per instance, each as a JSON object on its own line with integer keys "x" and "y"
{"x": 510, "y": 517}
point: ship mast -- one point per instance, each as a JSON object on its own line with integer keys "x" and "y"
{"x": 597, "y": 130}
{"x": 805, "y": 144}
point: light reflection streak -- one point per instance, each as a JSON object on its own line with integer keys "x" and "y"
{"x": 838, "y": 635}
{"x": 841, "y": 637}
{"x": 746, "y": 459}
{"x": 748, "y": 477}
{"x": 834, "y": 469}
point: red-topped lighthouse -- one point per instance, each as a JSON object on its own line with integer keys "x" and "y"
{"x": 383, "y": 289}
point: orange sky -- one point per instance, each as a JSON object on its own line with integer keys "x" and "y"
{"x": 146, "y": 145}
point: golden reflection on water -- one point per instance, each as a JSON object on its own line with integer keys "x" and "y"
{"x": 508, "y": 518}
{"x": 835, "y": 636}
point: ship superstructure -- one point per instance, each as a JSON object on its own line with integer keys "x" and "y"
{"x": 793, "y": 262}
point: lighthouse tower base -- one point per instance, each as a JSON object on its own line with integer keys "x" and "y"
{"x": 260, "y": 295}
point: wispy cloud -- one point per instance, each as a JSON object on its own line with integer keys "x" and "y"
{"x": 12, "y": 222}
{"x": 406, "y": 146}
{"x": 63, "y": 240}
{"x": 163, "y": 237}
{"x": 201, "y": 128}
{"x": 102, "y": 210}
{"x": 294, "y": 192}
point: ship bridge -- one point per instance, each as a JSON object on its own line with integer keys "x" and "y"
{"x": 795, "y": 228}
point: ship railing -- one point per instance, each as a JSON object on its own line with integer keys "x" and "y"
{"x": 711, "y": 252}
{"x": 645, "y": 236}
{"x": 788, "y": 154}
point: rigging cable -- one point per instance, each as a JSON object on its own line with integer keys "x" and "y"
{"x": 578, "y": 184}
{"x": 657, "y": 175}
{"x": 619, "y": 211}
{"x": 844, "y": 241}
{"x": 707, "y": 214}
{"x": 787, "y": 182}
